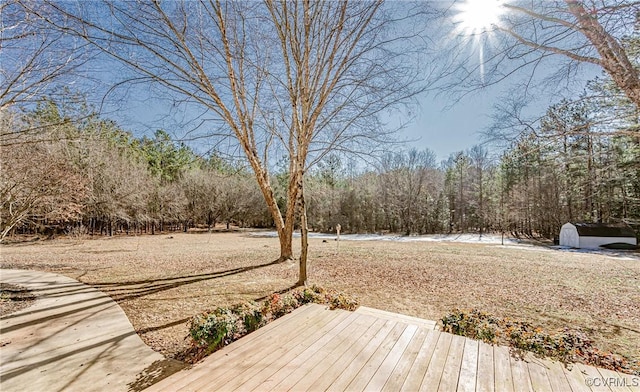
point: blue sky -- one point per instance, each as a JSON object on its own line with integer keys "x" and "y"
{"x": 438, "y": 125}
{"x": 447, "y": 130}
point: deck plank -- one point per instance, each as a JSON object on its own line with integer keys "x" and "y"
{"x": 292, "y": 372}
{"x": 520, "y": 374}
{"x": 614, "y": 380}
{"x": 340, "y": 355}
{"x": 227, "y": 369}
{"x": 421, "y": 363}
{"x": 591, "y": 372}
{"x": 576, "y": 379}
{"x": 316, "y": 349}
{"x": 451, "y": 371}
{"x": 632, "y": 382}
{"x": 303, "y": 317}
{"x": 341, "y": 377}
{"x": 538, "y": 374}
{"x": 469, "y": 367}
{"x": 359, "y": 382}
{"x": 502, "y": 369}
{"x": 265, "y": 365}
{"x": 399, "y": 374}
{"x": 384, "y": 371}
{"x": 429, "y": 324}
{"x": 278, "y": 370}
{"x": 356, "y": 352}
{"x": 557, "y": 378}
{"x": 486, "y": 375}
{"x": 432, "y": 377}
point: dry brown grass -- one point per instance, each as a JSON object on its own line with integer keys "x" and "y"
{"x": 161, "y": 282}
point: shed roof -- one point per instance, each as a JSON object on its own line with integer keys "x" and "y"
{"x": 604, "y": 230}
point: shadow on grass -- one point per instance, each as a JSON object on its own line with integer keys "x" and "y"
{"x": 123, "y": 291}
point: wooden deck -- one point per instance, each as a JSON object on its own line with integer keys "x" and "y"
{"x": 317, "y": 349}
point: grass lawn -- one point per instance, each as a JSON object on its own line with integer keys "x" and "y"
{"x": 161, "y": 281}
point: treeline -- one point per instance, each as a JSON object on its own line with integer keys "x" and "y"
{"x": 65, "y": 171}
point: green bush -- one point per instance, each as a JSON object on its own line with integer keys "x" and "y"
{"x": 213, "y": 330}
{"x": 565, "y": 345}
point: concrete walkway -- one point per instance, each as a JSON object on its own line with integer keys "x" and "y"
{"x": 72, "y": 338}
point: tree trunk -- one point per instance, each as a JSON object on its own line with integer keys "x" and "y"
{"x": 613, "y": 57}
{"x": 284, "y": 227}
{"x": 304, "y": 233}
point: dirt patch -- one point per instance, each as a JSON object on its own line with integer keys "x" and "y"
{"x": 14, "y": 298}
{"x": 161, "y": 283}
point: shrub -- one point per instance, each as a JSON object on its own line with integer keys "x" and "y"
{"x": 565, "y": 345}
{"x": 213, "y": 330}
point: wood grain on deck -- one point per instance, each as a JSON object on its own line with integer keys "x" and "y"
{"x": 317, "y": 349}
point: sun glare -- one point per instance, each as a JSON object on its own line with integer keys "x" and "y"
{"x": 475, "y": 17}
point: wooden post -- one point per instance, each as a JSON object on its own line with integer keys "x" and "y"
{"x": 338, "y": 237}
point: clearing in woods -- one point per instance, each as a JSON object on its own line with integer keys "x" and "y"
{"x": 161, "y": 281}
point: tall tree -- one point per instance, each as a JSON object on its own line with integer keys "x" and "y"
{"x": 523, "y": 34}
{"x": 35, "y": 58}
{"x": 303, "y": 77}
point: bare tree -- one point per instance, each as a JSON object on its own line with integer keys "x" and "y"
{"x": 38, "y": 185}
{"x": 530, "y": 32}
{"x": 479, "y": 157}
{"x": 298, "y": 79}
{"x": 34, "y": 56}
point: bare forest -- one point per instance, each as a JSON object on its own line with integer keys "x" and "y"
{"x": 72, "y": 172}
{"x": 300, "y": 95}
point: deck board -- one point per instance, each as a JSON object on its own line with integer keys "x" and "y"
{"x": 429, "y": 324}
{"x": 305, "y": 317}
{"x": 244, "y": 364}
{"x": 593, "y": 373}
{"x": 278, "y": 370}
{"x": 356, "y": 351}
{"x": 486, "y": 375}
{"x": 612, "y": 379}
{"x": 316, "y": 349}
{"x": 520, "y": 374}
{"x": 365, "y": 374}
{"x": 632, "y": 382}
{"x": 502, "y": 369}
{"x": 262, "y": 365}
{"x": 390, "y": 362}
{"x": 538, "y": 375}
{"x": 399, "y": 375}
{"x": 469, "y": 368}
{"x": 339, "y": 355}
{"x": 421, "y": 363}
{"x": 438, "y": 361}
{"x": 557, "y": 378}
{"x": 315, "y": 355}
{"x": 576, "y": 379}
{"x": 451, "y": 371}
{"x": 359, "y": 361}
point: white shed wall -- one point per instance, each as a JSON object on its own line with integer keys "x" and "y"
{"x": 569, "y": 236}
{"x": 595, "y": 242}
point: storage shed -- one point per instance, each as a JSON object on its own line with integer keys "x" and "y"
{"x": 594, "y": 235}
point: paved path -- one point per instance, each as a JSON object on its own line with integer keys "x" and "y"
{"x": 73, "y": 338}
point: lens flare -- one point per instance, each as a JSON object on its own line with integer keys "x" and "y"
{"x": 478, "y": 19}
{"x": 475, "y": 17}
